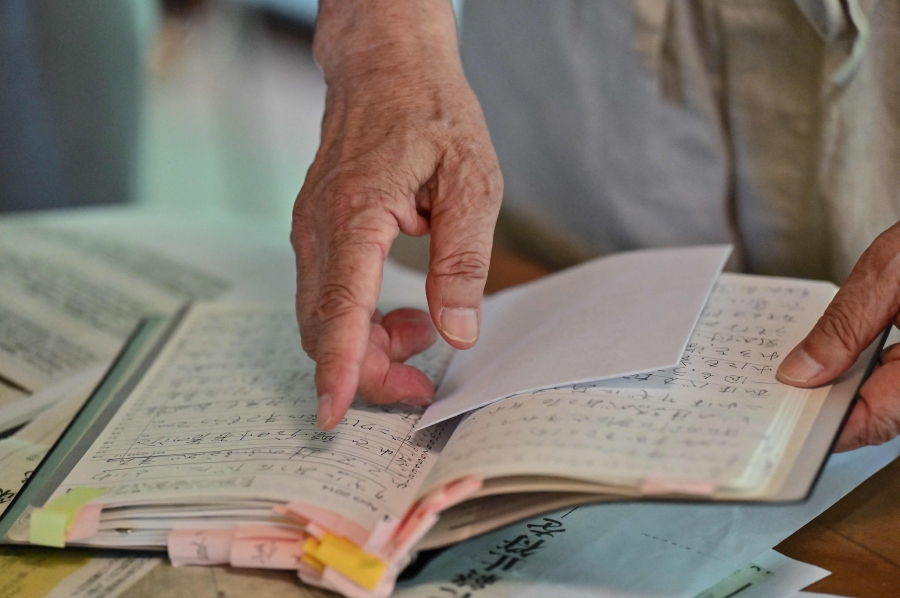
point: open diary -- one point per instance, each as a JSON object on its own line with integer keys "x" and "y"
{"x": 202, "y": 441}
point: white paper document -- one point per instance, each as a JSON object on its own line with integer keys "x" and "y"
{"x": 770, "y": 575}
{"x": 104, "y": 577}
{"x": 68, "y": 301}
{"x": 623, "y": 314}
{"x": 18, "y": 458}
{"x": 635, "y": 550}
{"x": 502, "y": 572}
{"x": 66, "y": 574}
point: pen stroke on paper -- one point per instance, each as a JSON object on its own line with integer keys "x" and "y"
{"x": 230, "y": 407}
{"x": 702, "y": 420}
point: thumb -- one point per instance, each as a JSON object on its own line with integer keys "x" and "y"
{"x": 462, "y": 228}
{"x": 859, "y": 312}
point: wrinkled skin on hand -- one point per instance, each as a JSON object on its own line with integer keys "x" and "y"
{"x": 861, "y": 310}
{"x": 404, "y": 147}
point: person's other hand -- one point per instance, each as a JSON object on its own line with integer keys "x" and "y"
{"x": 861, "y": 310}
{"x": 404, "y": 147}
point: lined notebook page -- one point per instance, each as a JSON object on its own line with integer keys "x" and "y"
{"x": 703, "y": 420}
{"x": 229, "y": 411}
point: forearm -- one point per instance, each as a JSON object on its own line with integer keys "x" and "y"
{"x": 358, "y": 36}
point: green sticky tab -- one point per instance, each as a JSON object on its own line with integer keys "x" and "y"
{"x": 48, "y": 528}
{"x": 50, "y": 524}
{"x": 72, "y": 501}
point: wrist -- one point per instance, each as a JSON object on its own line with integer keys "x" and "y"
{"x": 355, "y": 37}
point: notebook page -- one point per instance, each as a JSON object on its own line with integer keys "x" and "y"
{"x": 66, "y": 305}
{"x": 228, "y": 411}
{"x": 704, "y": 420}
{"x": 585, "y": 323}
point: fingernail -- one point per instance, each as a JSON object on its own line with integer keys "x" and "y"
{"x": 460, "y": 323}
{"x": 417, "y": 401}
{"x": 324, "y": 416}
{"x": 799, "y": 367}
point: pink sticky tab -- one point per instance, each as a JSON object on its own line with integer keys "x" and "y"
{"x": 452, "y": 494}
{"x": 309, "y": 574}
{"x": 425, "y": 514}
{"x": 316, "y": 531}
{"x": 381, "y": 535}
{"x": 269, "y": 531}
{"x": 264, "y": 553}
{"x": 86, "y": 523}
{"x": 317, "y": 521}
{"x": 266, "y": 546}
{"x": 307, "y": 512}
{"x": 680, "y": 487}
{"x": 200, "y": 546}
{"x": 410, "y": 535}
{"x": 351, "y": 531}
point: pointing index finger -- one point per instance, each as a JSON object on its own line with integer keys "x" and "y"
{"x": 349, "y": 293}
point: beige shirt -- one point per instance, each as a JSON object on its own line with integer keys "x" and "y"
{"x": 770, "y": 124}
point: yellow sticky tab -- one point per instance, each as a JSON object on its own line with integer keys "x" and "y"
{"x": 50, "y": 524}
{"x": 310, "y": 545}
{"x": 350, "y": 560}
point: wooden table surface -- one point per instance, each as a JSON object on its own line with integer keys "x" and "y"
{"x": 857, "y": 539}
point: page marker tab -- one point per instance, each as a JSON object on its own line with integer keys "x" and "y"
{"x": 50, "y": 523}
{"x": 86, "y": 523}
{"x": 656, "y": 486}
{"x": 310, "y": 546}
{"x": 200, "y": 546}
{"x": 48, "y": 528}
{"x": 266, "y": 546}
{"x": 317, "y": 521}
{"x": 346, "y": 558}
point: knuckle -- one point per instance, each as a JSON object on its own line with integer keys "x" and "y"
{"x": 469, "y": 263}
{"x": 882, "y": 427}
{"x": 365, "y": 228}
{"x": 840, "y": 325}
{"x": 880, "y": 263}
{"x": 336, "y": 301}
{"x": 348, "y": 201}
{"x": 479, "y": 173}
{"x": 300, "y": 229}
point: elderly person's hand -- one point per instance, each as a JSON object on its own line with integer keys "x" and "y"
{"x": 861, "y": 310}
{"x": 404, "y": 147}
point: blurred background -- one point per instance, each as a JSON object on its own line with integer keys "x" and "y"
{"x": 207, "y": 105}
{"x": 233, "y": 103}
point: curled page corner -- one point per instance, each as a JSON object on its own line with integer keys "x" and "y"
{"x": 618, "y": 315}
{"x": 425, "y": 513}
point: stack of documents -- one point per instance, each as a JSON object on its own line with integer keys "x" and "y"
{"x": 68, "y": 302}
